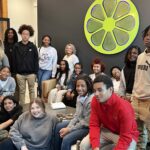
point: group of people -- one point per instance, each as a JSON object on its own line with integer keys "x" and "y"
{"x": 111, "y": 113}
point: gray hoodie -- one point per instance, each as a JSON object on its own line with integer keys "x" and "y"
{"x": 35, "y": 133}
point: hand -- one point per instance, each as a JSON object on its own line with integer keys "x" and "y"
{"x": 24, "y": 148}
{"x": 72, "y": 95}
{"x": 96, "y": 148}
{"x": 58, "y": 87}
{"x": 64, "y": 131}
{"x": 68, "y": 94}
{"x": 1, "y": 98}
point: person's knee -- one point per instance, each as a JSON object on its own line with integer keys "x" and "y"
{"x": 85, "y": 143}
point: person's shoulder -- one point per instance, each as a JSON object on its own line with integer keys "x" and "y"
{"x": 51, "y": 117}
{"x": 74, "y": 56}
{"x": 52, "y": 48}
{"x": 11, "y": 78}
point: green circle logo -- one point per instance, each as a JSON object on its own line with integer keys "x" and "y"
{"x": 110, "y": 26}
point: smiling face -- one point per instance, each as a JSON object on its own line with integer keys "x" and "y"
{"x": 4, "y": 73}
{"x": 10, "y": 34}
{"x": 116, "y": 73}
{"x": 101, "y": 92}
{"x": 36, "y": 110}
{"x": 133, "y": 54}
{"x": 62, "y": 65}
{"x": 81, "y": 87}
{"x": 9, "y": 105}
{"x": 77, "y": 69}
{"x": 97, "y": 68}
{"x": 69, "y": 50}
{"x": 46, "y": 41}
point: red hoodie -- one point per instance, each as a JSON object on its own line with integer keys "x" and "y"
{"x": 117, "y": 115}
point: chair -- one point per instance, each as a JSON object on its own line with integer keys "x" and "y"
{"x": 47, "y": 86}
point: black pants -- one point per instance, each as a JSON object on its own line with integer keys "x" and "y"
{"x": 7, "y": 144}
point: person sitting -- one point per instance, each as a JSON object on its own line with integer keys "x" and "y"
{"x": 32, "y": 130}
{"x": 115, "y": 72}
{"x": 7, "y": 83}
{"x": 112, "y": 120}
{"x": 71, "y": 96}
{"x": 67, "y": 133}
{"x": 97, "y": 67}
{"x": 10, "y": 111}
{"x": 70, "y": 56}
{"x": 63, "y": 76}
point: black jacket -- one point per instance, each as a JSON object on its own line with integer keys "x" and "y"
{"x": 14, "y": 114}
{"x": 25, "y": 58}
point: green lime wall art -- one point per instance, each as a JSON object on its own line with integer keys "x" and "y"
{"x": 110, "y": 26}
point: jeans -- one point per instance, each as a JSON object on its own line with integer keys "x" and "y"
{"x": 21, "y": 81}
{"x": 7, "y": 145}
{"x": 71, "y": 138}
{"x": 43, "y": 75}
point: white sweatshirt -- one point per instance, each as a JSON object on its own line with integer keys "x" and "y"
{"x": 72, "y": 60}
{"x": 48, "y": 59}
{"x": 141, "y": 88}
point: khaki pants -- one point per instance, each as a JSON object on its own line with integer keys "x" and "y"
{"x": 21, "y": 80}
{"x": 142, "y": 113}
{"x": 108, "y": 141}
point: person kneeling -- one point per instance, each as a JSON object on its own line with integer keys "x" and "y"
{"x": 112, "y": 120}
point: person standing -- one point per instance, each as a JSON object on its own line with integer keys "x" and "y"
{"x": 128, "y": 72}
{"x": 3, "y": 58}
{"x": 25, "y": 62}
{"x": 10, "y": 39}
{"x": 70, "y": 56}
{"x": 47, "y": 62}
{"x": 141, "y": 93}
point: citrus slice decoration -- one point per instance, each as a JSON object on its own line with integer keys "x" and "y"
{"x": 110, "y": 26}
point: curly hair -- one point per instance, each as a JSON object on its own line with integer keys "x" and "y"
{"x": 145, "y": 31}
{"x": 15, "y": 37}
{"x": 26, "y": 27}
{"x": 88, "y": 82}
{"x": 98, "y": 61}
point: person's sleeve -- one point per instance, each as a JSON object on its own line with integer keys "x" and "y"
{"x": 12, "y": 88}
{"x": 36, "y": 59}
{"x": 84, "y": 122}
{"x": 15, "y": 134}
{"x": 75, "y": 60}
{"x": 70, "y": 83}
{"x": 95, "y": 125}
{"x": 14, "y": 63}
{"x": 135, "y": 77}
{"x": 126, "y": 118}
{"x": 5, "y": 61}
{"x": 18, "y": 112}
{"x": 75, "y": 118}
{"x": 54, "y": 65}
{"x": 122, "y": 86}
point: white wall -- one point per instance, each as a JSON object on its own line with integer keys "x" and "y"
{"x": 23, "y": 12}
